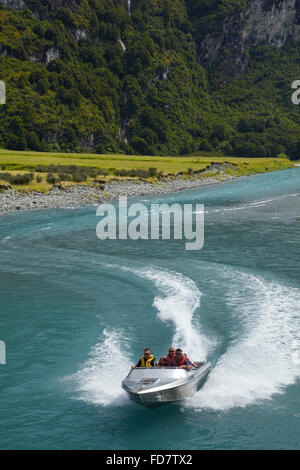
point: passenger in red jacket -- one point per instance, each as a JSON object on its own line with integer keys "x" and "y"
{"x": 180, "y": 360}
{"x": 165, "y": 360}
{"x": 171, "y": 354}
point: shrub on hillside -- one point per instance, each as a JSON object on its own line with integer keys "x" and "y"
{"x": 52, "y": 179}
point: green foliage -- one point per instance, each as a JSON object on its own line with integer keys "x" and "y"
{"x": 208, "y": 15}
{"x": 52, "y": 179}
{"x": 71, "y": 87}
{"x": 294, "y": 151}
{"x": 18, "y": 179}
{"x": 139, "y": 172}
{"x": 33, "y": 141}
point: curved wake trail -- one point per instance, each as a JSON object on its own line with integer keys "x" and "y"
{"x": 266, "y": 358}
{"x": 98, "y": 380}
{"x": 179, "y": 298}
{"x": 260, "y": 363}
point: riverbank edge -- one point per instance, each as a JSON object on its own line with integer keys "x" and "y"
{"x": 81, "y": 195}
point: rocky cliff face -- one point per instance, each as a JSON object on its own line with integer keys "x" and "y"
{"x": 271, "y": 21}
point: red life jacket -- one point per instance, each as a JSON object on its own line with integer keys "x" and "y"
{"x": 169, "y": 358}
{"x": 182, "y": 361}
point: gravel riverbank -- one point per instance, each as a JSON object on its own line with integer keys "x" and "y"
{"x": 80, "y": 195}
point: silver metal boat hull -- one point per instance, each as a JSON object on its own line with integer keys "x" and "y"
{"x": 154, "y": 387}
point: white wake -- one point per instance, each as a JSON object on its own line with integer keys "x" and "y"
{"x": 261, "y": 362}
{"x": 98, "y": 381}
{"x": 266, "y": 358}
{"x": 176, "y": 303}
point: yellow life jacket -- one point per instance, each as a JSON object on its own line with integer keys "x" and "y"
{"x": 146, "y": 363}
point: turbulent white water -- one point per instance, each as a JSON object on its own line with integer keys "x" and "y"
{"x": 176, "y": 303}
{"x": 98, "y": 380}
{"x": 261, "y": 362}
{"x": 266, "y": 357}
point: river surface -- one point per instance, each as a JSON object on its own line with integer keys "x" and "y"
{"x": 76, "y": 313}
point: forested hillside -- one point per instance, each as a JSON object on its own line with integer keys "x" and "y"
{"x": 150, "y": 76}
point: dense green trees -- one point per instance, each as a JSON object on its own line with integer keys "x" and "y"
{"x": 84, "y": 75}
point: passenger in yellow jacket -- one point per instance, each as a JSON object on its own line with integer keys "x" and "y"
{"x": 147, "y": 360}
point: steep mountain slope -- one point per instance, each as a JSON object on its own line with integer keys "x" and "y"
{"x": 151, "y": 76}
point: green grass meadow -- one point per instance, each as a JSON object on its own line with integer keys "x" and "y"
{"x": 29, "y": 162}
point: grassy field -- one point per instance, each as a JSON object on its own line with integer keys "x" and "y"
{"x": 24, "y": 162}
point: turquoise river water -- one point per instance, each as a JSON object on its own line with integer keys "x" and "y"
{"x": 76, "y": 312}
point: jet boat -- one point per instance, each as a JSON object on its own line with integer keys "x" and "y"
{"x": 155, "y": 386}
